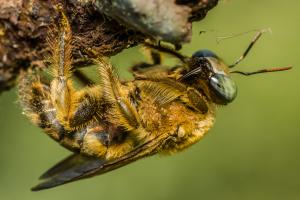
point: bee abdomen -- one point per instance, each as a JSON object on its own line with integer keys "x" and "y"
{"x": 106, "y": 143}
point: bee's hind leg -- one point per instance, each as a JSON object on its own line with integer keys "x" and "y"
{"x": 73, "y": 108}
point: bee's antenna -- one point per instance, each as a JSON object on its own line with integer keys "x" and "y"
{"x": 255, "y": 39}
{"x": 262, "y": 71}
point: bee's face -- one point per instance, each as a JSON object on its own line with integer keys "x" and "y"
{"x": 222, "y": 88}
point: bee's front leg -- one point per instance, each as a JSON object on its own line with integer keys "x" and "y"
{"x": 197, "y": 100}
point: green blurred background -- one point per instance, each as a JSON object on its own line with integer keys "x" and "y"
{"x": 251, "y": 153}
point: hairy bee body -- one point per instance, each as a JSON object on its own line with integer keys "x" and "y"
{"x": 159, "y": 114}
{"x": 111, "y": 124}
{"x": 164, "y": 119}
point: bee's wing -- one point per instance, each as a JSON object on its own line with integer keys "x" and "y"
{"x": 78, "y": 166}
{"x": 69, "y": 169}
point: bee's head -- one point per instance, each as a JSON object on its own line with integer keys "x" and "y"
{"x": 207, "y": 72}
{"x": 209, "y": 69}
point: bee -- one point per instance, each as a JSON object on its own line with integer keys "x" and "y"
{"x": 114, "y": 123}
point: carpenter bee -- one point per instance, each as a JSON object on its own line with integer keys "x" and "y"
{"x": 114, "y": 123}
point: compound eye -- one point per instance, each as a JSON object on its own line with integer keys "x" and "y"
{"x": 223, "y": 87}
{"x": 204, "y": 53}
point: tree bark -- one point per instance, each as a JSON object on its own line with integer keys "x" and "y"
{"x": 106, "y": 26}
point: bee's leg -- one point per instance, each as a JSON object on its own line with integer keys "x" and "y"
{"x": 165, "y": 90}
{"x": 61, "y": 87}
{"x": 123, "y": 110}
{"x": 166, "y": 49}
{"x": 35, "y": 99}
{"x": 156, "y": 57}
{"x": 197, "y": 100}
{"x": 83, "y": 78}
{"x": 73, "y": 108}
{"x": 156, "y": 60}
